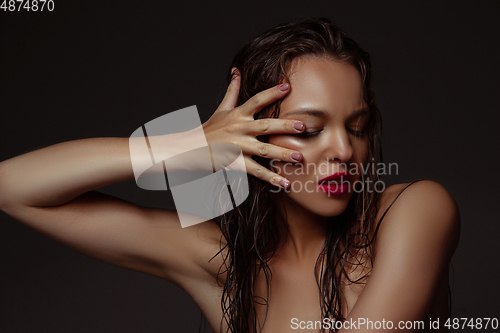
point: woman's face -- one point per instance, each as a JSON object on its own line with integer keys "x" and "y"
{"x": 327, "y": 95}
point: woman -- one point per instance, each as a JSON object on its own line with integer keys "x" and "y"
{"x": 307, "y": 248}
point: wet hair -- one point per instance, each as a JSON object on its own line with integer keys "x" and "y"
{"x": 254, "y": 230}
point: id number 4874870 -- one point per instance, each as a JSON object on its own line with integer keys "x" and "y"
{"x": 27, "y": 5}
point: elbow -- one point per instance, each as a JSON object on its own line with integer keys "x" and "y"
{"x": 5, "y": 198}
{"x": 443, "y": 206}
{"x": 2, "y": 190}
{"x": 451, "y": 217}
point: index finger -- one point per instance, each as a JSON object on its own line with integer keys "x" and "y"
{"x": 260, "y": 100}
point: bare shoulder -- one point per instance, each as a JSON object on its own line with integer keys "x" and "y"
{"x": 422, "y": 209}
{"x": 422, "y": 194}
{"x": 413, "y": 246}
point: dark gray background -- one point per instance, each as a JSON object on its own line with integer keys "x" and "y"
{"x": 103, "y": 68}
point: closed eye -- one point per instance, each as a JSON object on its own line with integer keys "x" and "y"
{"x": 308, "y": 135}
{"x": 356, "y": 132}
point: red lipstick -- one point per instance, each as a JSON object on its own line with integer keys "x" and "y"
{"x": 336, "y": 184}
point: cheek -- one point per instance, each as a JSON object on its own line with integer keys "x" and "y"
{"x": 360, "y": 151}
{"x": 286, "y": 141}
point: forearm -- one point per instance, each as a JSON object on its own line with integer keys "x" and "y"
{"x": 57, "y": 174}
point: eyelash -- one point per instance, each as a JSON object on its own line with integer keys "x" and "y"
{"x": 358, "y": 134}
{"x": 310, "y": 135}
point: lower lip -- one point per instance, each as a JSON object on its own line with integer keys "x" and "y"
{"x": 335, "y": 190}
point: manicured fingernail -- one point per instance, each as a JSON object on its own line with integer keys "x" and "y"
{"x": 295, "y": 156}
{"x": 284, "y": 183}
{"x": 256, "y": 172}
{"x": 283, "y": 87}
{"x": 234, "y": 73}
{"x": 298, "y": 125}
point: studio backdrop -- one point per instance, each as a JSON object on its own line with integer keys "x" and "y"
{"x": 103, "y": 68}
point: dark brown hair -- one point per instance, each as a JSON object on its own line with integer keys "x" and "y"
{"x": 255, "y": 229}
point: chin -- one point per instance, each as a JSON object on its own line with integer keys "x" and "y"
{"x": 318, "y": 203}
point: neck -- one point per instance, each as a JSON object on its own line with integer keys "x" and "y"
{"x": 306, "y": 233}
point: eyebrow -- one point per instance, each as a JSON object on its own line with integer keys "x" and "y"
{"x": 324, "y": 114}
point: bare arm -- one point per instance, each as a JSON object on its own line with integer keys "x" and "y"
{"x": 414, "y": 246}
{"x": 57, "y": 174}
{"x": 51, "y": 191}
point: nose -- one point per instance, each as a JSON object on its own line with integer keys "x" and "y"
{"x": 338, "y": 146}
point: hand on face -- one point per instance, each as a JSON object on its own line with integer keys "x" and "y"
{"x": 236, "y": 125}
